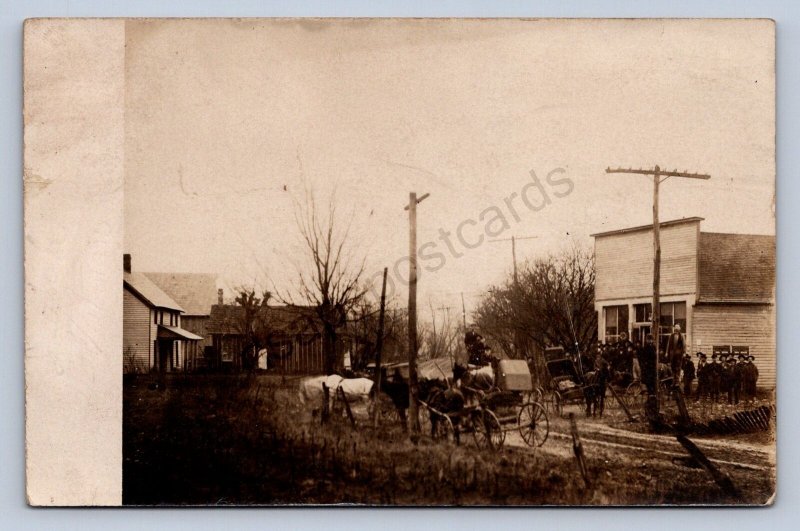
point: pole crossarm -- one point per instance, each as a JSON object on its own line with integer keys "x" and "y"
{"x": 514, "y": 238}
{"x": 660, "y": 172}
{"x": 420, "y": 199}
{"x": 658, "y": 176}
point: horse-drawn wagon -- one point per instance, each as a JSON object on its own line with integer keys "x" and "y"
{"x": 574, "y": 380}
{"x": 488, "y": 407}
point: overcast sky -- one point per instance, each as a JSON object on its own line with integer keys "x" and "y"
{"x": 227, "y": 121}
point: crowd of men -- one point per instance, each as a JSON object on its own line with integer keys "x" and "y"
{"x": 725, "y": 377}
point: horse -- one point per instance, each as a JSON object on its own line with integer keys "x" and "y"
{"x": 397, "y": 390}
{"x": 311, "y": 391}
{"x": 594, "y": 390}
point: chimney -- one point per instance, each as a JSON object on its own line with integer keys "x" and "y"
{"x": 219, "y": 296}
{"x": 126, "y": 263}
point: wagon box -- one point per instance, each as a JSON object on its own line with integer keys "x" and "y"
{"x": 514, "y": 375}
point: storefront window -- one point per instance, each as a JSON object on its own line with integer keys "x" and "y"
{"x": 672, "y": 313}
{"x": 643, "y": 313}
{"x": 616, "y": 318}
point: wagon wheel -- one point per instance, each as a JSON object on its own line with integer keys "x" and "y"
{"x": 425, "y": 421}
{"x": 558, "y": 404}
{"x": 538, "y": 395}
{"x": 534, "y": 427}
{"x": 487, "y": 431}
{"x": 634, "y": 396}
{"x": 443, "y": 429}
{"x": 389, "y": 414}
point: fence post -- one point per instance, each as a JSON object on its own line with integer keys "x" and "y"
{"x": 577, "y": 448}
{"x": 347, "y": 407}
{"x": 325, "y": 400}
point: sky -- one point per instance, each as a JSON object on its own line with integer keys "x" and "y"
{"x": 508, "y": 125}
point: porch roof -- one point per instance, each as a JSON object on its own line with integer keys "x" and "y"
{"x": 176, "y": 332}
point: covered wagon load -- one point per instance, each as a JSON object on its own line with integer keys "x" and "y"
{"x": 514, "y": 375}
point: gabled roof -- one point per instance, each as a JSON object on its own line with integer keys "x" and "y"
{"x": 648, "y": 227}
{"x": 148, "y": 292}
{"x": 289, "y": 320}
{"x": 736, "y": 268}
{"x": 195, "y": 292}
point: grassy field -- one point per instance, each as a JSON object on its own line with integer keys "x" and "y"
{"x": 233, "y": 440}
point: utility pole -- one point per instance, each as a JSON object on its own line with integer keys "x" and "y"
{"x": 413, "y": 389}
{"x": 379, "y": 350}
{"x": 659, "y": 176}
{"x": 517, "y": 334}
{"x": 513, "y": 241}
{"x": 463, "y": 312}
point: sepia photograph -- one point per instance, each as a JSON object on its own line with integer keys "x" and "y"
{"x": 436, "y": 262}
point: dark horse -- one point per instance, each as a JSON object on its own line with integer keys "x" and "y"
{"x": 397, "y": 390}
{"x": 594, "y": 390}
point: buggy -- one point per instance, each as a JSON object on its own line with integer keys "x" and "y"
{"x": 489, "y": 412}
{"x": 568, "y": 381}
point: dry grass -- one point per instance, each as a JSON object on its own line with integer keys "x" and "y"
{"x": 236, "y": 440}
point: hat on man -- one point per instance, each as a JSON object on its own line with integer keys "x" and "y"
{"x": 714, "y": 356}
{"x": 751, "y": 357}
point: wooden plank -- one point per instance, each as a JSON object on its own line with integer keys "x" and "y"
{"x": 720, "y": 478}
{"x": 577, "y": 448}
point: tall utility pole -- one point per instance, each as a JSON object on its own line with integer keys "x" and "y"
{"x": 379, "y": 349}
{"x": 513, "y": 241}
{"x": 659, "y": 176}
{"x": 517, "y": 334}
{"x": 413, "y": 390}
{"x": 463, "y": 312}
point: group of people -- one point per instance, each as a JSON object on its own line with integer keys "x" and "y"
{"x": 726, "y": 376}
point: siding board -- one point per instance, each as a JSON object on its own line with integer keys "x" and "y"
{"x": 624, "y": 262}
{"x": 135, "y": 338}
{"x": 752, "y": 326}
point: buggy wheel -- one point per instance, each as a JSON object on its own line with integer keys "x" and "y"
{"x": 634, "y": 396}
{"x": 443, "y": 429}
{"x": 425, "y": 421}
{"x": 486, "y": 430}
{"x": 534, "y": 427}
{"x": 538, "y": 395}
{"x": 558, "y": 404}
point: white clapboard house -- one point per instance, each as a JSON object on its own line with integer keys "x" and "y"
{"x": 152, "y": 337}
{"x": 719, "y": 287}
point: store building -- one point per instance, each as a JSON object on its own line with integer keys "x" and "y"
{"x": 719, "y": 287}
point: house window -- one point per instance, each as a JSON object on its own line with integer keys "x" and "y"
{"x": 616, "y": 318}
{"x": 672, "y": 313}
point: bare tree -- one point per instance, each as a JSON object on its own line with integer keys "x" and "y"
{"x": 553, "y": 305}
{"x": 252, "y": 323}
{"x": 442, "y": 337}
{"x": 331, "y": 279}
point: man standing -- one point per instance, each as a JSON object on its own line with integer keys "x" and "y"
{"x": 702, "y": 376}
{"x": 676, "y": 348}
{"x": 714, "y": 371}
{"x": 750, "y": 378}
{"x": 688, "y": 374}
{"x": 738, "y": 377}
